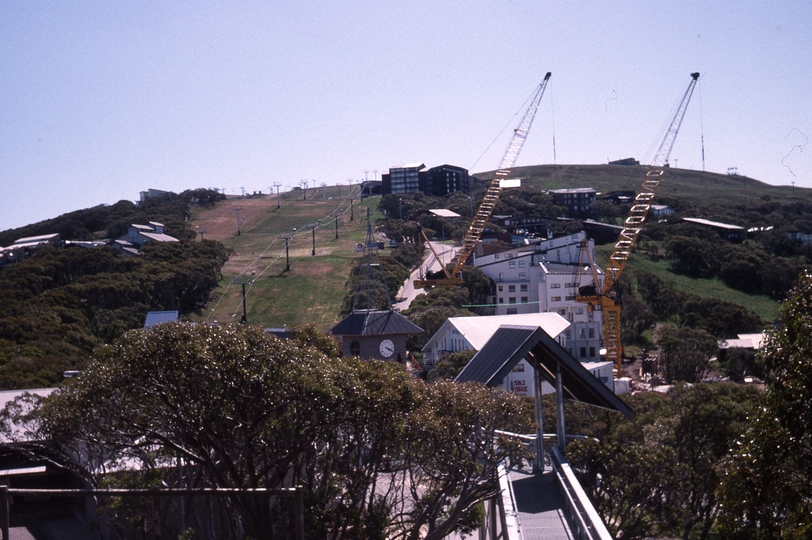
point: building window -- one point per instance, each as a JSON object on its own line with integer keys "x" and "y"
{"x": 592, "y": 352}
{"x": 512, "y": 300}
{"x": 511, "y": 264}
{"x": 519, "y": 368}
{"x": 355, "y": 348}
{"x": 579, "y": 311}
{"x": 567, "y": 334}
{"x": 555, "y": 285}
{"x": 562, "y": 312}
{"x": 569, "y": 285}
{"x": 512, "y": 311}
{"x": 522, "y": 263}
{"x": 511, "y": 288}
{"x": 501, "y": 288}
{"x": 522, "y": 275}
{"x": 523, "y": 287}
{"x": 583, "y": 352}
{"x": 501, "y": 300}
{"x": 524, "y": 299}
{"x": 582, "y": 333}
{"x": 555, "y": 299}
{"x": 495, "y": 255}
{"x": 568, "y": 298}
{"x": 592, "y": 334}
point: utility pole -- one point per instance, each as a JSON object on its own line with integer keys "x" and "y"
{"x": 352, "y": 214}
{"x": 313, "y": 227}
{"x": 287, "y": 237}
{"x": 237, "y": 209}
{"x": 303, "y": 183}
{"x": 336, "y": 214}
{"x": 278, "y": 200}
{"x": 244, "y": 319}
{"x": 400, "y": 202}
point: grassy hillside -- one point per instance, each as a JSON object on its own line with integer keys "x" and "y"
{"x": 312, "y": 291}
{"x": 695, "y": 187}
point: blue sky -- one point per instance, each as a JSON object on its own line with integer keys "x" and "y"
{"x": 101, "y": 100}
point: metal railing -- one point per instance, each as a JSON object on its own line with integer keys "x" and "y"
{"x": 585, "y": 523}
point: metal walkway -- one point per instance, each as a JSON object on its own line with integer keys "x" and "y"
{"x": 540, "y": 506}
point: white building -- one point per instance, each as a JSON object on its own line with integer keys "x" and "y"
{"x": 544, "y": 278}
{"x": 471, "y": 333}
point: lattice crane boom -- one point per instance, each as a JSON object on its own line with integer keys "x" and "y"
{"x": 492, "y": 193}
{"x": 632, "y": 226}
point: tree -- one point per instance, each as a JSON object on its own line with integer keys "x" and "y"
{"x": 691, "y": 256}
{"x": 449, "y": 365}
{"x": 658, "y": 474}
{"x": 684, "y": 353}
{"x": 767, "y": 486}
{"x": 635, "y": 319}
{"x": 246, "y": 409}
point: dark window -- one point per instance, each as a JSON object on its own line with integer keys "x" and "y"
{"x": 592, "y": 352}
{"x": 583, "y": 352}
{"x": 355, "y": 348}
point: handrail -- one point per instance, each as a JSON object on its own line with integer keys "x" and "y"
{"x": 510, "y": 512}
{"x": 585, "y": 522}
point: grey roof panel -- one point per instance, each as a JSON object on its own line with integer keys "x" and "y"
{"x": 510, "y": 344}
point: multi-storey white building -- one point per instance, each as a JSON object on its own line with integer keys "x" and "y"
{"x": 544, "y": 278}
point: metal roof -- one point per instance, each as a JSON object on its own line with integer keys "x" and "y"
{"x": 510, "y": 344}
{"x": 478, "y": 330}
{"x": 442, "y": 212}
{"x": 158, "y": 317}
{"x": 374, "y": 322}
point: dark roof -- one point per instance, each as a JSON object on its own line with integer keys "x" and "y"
{"x": 510, "y": 344}
{"x": 374, "y": 322}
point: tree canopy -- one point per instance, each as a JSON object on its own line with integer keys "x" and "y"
{"x": 767, "y": 485}
{"x": 62, "y": 302}
{"x": 379, "y": 453}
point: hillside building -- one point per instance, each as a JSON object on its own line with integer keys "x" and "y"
{"x": 544, "y": 278}
{"x": 727, "y": 231}
{"x": 436, "y": 182}
{"x": 576, "y": 200}
{"x": 23, "y": 247}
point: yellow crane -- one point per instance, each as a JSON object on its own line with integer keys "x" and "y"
{"x": 483, "y": 213}
{"x": 603, "y": 297}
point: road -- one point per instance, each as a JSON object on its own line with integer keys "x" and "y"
{"x": 407, "y": 292}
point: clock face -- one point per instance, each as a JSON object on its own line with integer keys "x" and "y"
{"x": 387, "y": 348}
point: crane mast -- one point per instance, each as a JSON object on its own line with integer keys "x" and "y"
{"x": 632, "y": 226}
{"x": 485, "y": 210}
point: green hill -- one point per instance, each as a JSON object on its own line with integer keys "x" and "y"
{"x": 313, "y": 290}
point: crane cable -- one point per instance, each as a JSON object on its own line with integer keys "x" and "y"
{"x": 509, "y": 123}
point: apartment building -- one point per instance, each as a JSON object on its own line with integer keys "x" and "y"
{"x": 544, "y": 278}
